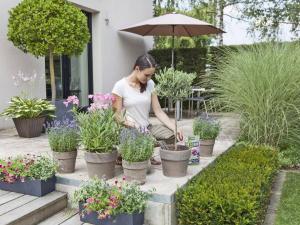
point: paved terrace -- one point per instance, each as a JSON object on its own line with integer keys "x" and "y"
{"x": 161, "y": 210}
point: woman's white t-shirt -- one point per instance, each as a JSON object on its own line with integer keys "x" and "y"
{"x": 136, "y": 104}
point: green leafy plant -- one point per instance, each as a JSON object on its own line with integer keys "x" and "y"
{"x": 290, "y": 157}
{"x": 99, "y": 131}
{"x": 138, "y": 148}
{"x": 233, "y": 190}
{"x": 206, "y": 129}
{"x": 48, "y": 27}
{"x": 97, "y": 196}
{"x": 63, "y": 136}
{"x": 262, "y": 85}
{"x": 176, "y": 85}
{"x": 27, "y": 167}
{"x": 28, "y": 108}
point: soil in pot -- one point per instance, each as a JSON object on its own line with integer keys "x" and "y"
{"x": 206, "y": 147}
{"x": 135, "y": 171}
{"x": 29, "y": 128}
{"x": 66, "y": 161}
{"x": 101, "y": 165}
{"x": 175, "y": 163}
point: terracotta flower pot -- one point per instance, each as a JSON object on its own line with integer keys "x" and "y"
{"x": 135, "y": 171}
{"x": 66, "y": 161}
{"x": 175, "y": 163}
{"x": 101, "y": 165}
{"x": 206, "y": 147}
{"x": 29, "y": 128}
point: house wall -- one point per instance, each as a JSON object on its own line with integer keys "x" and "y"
{"x": 114, "y": 52}
{"x": 13, "y": 60}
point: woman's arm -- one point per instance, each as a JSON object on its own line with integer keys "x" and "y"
{"x": 162, "y": 116}
{"x": 117, "y": 106}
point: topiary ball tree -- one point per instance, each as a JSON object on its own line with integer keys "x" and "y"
{"x": 48, "y": 28}
{"x": 176, "y": 85}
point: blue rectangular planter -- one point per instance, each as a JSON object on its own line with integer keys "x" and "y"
{"x": 30, "y": 187}
{"x": 121, "y": 219}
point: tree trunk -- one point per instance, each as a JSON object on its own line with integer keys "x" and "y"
{"x": 221, "y": 20}
{"x": 175, "y": 133}
{"x": 52, "y": 76}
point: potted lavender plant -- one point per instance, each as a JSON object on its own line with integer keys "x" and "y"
{"x": 207, "y": 131}
{"x": 64, "y": 140}
{"x": 136, "y": 148}
{"x": 176, "y": 85}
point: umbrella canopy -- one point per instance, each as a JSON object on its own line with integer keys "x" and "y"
{"x": 173, "y": 24}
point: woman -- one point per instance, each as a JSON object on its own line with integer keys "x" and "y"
{"x": 136, "y": 94}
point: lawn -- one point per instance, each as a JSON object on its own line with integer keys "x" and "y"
{"x": 289, "y": 208}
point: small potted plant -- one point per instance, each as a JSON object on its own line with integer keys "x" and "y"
{"x": 29, "y": 115}
{"x": 175, "y": 85}
{"x": 136, "y": 150}
{"x": 207, "y": 131}
{"x": 99, "y": 134}
{"x": 64, "y": 140}
{"x": 30, "y": 175}
{"x": 119, "y": 204}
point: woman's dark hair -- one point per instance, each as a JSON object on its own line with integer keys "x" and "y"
{"x": 144, "y": 62}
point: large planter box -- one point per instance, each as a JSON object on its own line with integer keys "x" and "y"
{"x": 30, "y": 187}
{"x": 121, "y": 219}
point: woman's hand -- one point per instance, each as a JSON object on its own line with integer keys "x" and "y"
{"x": 179, "y": 135}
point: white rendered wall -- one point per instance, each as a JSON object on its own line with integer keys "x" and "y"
{"x": 114, "y": 52}
{"x": 11, "y": 61}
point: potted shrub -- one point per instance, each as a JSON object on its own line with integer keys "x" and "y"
{"x": 119, "y": 204}
{"x": 176, "y": 85}
{"x": 136, "y": 150}
{"x": 30, "y": 175}
{"x": 99, "y": 134}
{"x": 207, "y": 131}
{"x": 64, "y": 140}
{"x": 29, "y": 115}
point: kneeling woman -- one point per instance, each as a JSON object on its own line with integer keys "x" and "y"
{"x": 135, "y": 94}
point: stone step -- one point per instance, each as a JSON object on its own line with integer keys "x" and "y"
{"x": 65, "y": 217}
{"x": 19, "y": 209}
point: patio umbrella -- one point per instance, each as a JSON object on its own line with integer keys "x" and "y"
{"x": 173, "y": 24}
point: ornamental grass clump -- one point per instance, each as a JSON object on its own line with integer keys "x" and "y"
{"x": 63, "y": 136}
{"x": 262, "y": 85}
{"x": 107, "y": 201}
{"x": 137, "y": 147}
{"x": 206, "y": 129}
{"x": 27, "y": 167}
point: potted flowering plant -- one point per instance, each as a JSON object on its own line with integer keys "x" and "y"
{"x": 30, "y": 175}
{"x": 207, "y": 131}
{"x": 63, "y": 138}
{"x": 99, "y": 134}
{"x": 136, "y": 148}
{"x": 176, "y": 85}
{"x": 29, "y": 115}
{"x": 119, "y": 204}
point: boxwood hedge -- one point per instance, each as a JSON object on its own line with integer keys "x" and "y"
{"x": 233, "y": 190}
